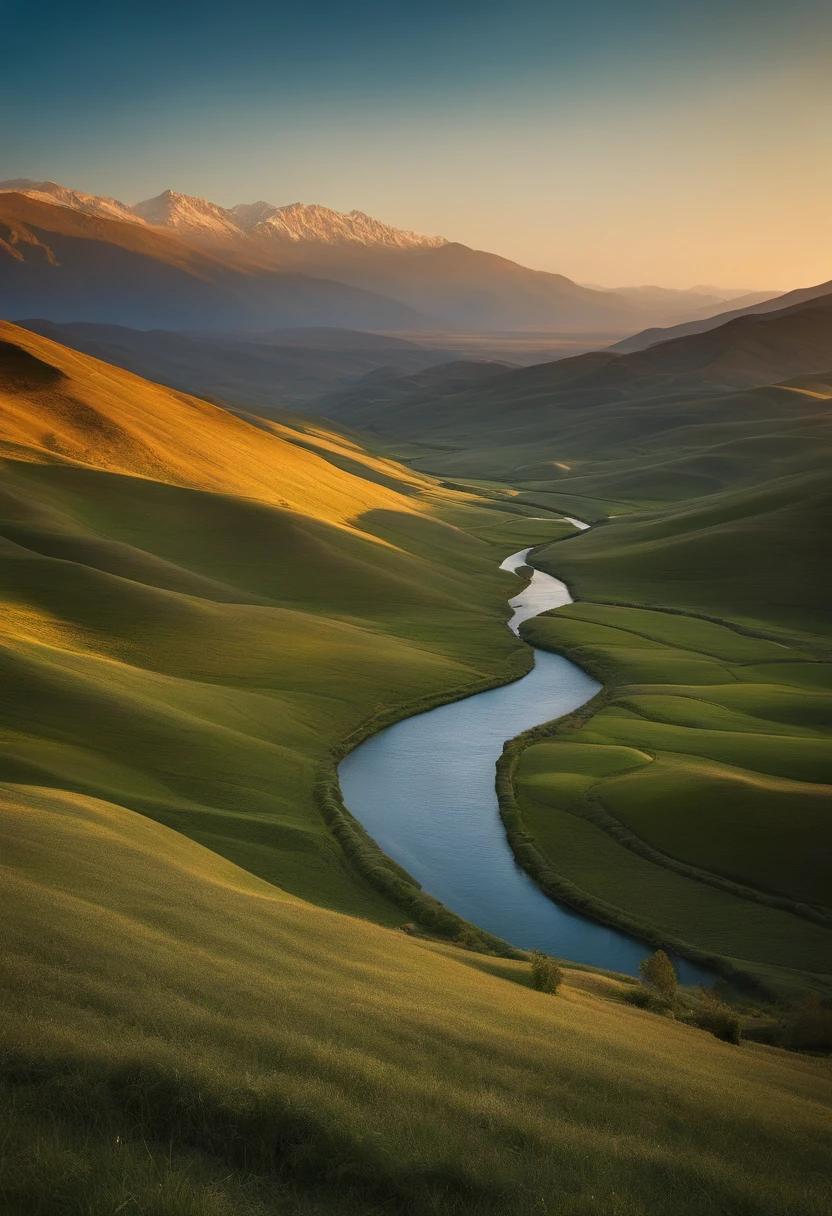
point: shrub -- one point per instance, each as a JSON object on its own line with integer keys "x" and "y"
{"x": 714, "y": 1015}
{"x": 468, "y": 939}
{"x": 639, "y": 997}
{"x": 546, "y": 974}
{"x": 809, "y": 1026}
{"x": 657, "y": 972}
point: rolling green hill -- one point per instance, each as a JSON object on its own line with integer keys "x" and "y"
{"x": 687, "y": 811}
{"x": 208, "y": 1008}
{"x": 196, "y": 609}
{"x": 602, "y": 435}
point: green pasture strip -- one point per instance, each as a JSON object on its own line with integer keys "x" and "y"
{"x": 690, "y": 800}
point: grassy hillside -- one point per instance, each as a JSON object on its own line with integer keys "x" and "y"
{"x": 282, "y": 370}
{"x": 697, "y": 798}
{"x": 207, "y": 1008}
{"x": 188, "y": 1039}
{"x": 196, "y": 609}
{"x": 600, "y": 434}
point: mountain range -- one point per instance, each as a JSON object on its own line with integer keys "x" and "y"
{"x": 742, "y": 308}
{"x": 705, "y": 396}
{"x": 292, "y": 265}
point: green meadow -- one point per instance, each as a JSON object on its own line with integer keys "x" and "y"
{"x": 694, "y": 803}
{"x": 697, "y": 798}
{"x": 210, "y": 1007}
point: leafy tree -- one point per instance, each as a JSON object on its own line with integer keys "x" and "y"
{"x": 546, "y": 974}
{"x": 657, "y": 972}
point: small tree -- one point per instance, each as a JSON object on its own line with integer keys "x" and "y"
{"x": 546, "y": 974}
{"x": 657, "y": 972}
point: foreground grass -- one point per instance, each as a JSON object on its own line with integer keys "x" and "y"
{"x": 189, "y": 1039}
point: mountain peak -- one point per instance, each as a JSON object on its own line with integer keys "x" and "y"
{"x": 189, "y": 216}
{"x": 201, "y": 220}
{"x": 312, "y": 222}
{"x": 75, "y": 200}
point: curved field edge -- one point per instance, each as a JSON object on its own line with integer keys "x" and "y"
{"x": 630, "y": 679}
{"x": 391, "y": 879}
{"x": 559, "y": 888}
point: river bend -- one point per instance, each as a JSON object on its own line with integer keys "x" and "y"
{"x": 425, "y": 791}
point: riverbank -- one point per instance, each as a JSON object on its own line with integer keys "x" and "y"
{"x": 689, "y": 800}
{"x": 423, "y": 792}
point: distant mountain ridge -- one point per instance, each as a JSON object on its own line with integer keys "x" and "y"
{"x": 204, "y": 220}
{"x": 434, "y": 282}
{"x": 64, "y": 264}
{"x": 652, "y": 337}
{"x": 746, "y": 352}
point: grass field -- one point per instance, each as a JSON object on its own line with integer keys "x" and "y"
{"x": 196, "y": 612}
{"x": 208, "y": 1010}
{"x": 188, "y": 1039}
{"x": 698, "y": 797}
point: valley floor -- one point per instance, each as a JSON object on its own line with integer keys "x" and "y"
{"x": 208, "y": 1006}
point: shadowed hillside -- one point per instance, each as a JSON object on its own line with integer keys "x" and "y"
{"x": 281, "y": 370}
{"x": 195, "y": 609}
{"x": 649, "y": 337}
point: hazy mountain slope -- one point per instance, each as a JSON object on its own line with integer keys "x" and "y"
{"x": 602, "y": 403}
{"x": 463, "y": 287}
{"x": 68, "y": 266}
{"x": 269, "y": 374}
{"x": 650, "y": 337}
{"x": 704, "y": 298}
{"x": 470, "y": 288}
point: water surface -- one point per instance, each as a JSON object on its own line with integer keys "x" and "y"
{"x": 425, "y": 791}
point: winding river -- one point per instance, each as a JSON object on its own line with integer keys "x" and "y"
{"x": 424, "y": 790}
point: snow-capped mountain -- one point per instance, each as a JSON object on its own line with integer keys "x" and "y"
{"x": 458, "y": 287}
{"x": 200, "y": 220}
{"x": 305, "y": 222}
{"x": 76, "y": 200}
{"x": 190, "y": 217}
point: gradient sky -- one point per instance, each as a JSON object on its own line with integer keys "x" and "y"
{"x": 615, "y": 141}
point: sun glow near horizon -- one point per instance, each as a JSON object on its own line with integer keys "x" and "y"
{"x": 658, "y": 145}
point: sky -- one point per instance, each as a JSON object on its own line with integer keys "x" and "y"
{"x": 615, "y": 141}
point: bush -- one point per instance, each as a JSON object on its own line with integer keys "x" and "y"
{"x": 468, "y": 939}
{"x": 639, "y": 997}
{"x": 714, "y": 1015}
{"x": 809, "y": 1026}
{"x": 547, "y": 976}
{"x": 657, "y": 972}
